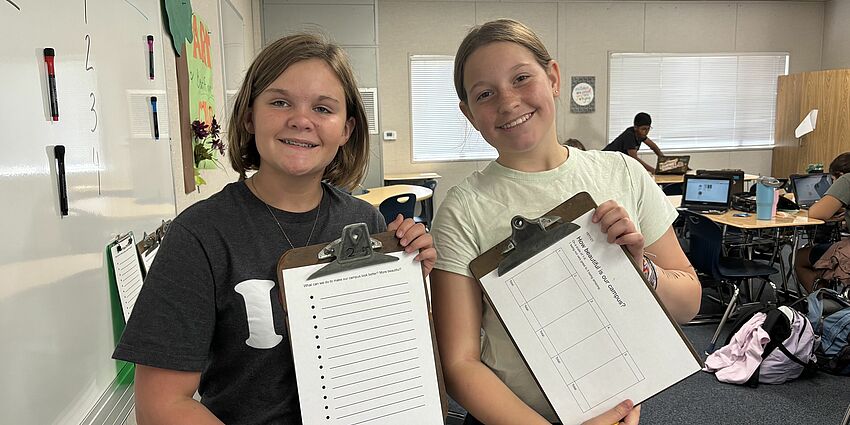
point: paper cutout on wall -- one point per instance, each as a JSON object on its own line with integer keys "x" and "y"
{"x": 179, "y": 15}
{"x": 807, "y": 125}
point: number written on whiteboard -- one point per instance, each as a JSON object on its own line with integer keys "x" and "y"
{"x": 88, "y": 50}
{"x": 93, "y": 100}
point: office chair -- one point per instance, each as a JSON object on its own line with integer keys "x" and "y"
{"x": 706, "y": 256}
{"x": 404, "y": 204}
{"x": 672, "y": 189}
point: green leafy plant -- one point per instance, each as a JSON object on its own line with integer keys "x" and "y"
{"x": 207, "y": 147}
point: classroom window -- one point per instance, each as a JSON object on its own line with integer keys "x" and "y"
{"x": 697, "y": 101}
{"x": 440, "y": 132}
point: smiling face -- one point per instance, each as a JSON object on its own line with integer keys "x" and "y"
{"x": 299, "y": 120}
{"x": 510, "y": 98}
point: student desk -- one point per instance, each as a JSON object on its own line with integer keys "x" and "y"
{"x": 679, "y": 178}
{"x": 410, "y": 177}
{"x": 377, "y": 195}
{"x": 795, "y": 220}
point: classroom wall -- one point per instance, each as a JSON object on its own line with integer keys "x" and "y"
{"x": 216, "y": 179}
{"x": 580, "y": 35}
{"x": 349, "y": 23}
{"x": 836, "y": 34}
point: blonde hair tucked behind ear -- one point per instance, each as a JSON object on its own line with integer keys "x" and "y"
{"x": 349, "y": 166}
{"x": 498, "y": 30}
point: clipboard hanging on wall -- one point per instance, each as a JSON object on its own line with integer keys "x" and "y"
{"x": 149, "y": 246}
{"x": 127, "y": 269}
{"x": 581, "y": 314}
{"x": 360, "y": 330}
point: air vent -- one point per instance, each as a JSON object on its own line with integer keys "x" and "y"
{"x": 370, "y": 101}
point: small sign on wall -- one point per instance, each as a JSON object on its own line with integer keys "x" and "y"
{"x": 583, "y": 95}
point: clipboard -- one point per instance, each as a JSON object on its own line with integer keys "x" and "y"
{"x": 551, "y": 297}
{"x": 149, "y": 245}
{"x": 362, "y": 347}
{"x": 125, "y": 266}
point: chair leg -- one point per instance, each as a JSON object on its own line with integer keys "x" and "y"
{"x": 729, "y": 308}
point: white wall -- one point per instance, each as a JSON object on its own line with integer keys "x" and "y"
{"x": 836, "y": 34}
{"x": 580, "y": 35}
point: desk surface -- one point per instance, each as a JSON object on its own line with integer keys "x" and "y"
{"x": 412, "y": 176}
{"x": 377, "y": 195}
{"x": 679, "y": 178}
{"x": 782, "y": 219}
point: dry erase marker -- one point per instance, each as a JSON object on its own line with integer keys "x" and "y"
{"x": 59, "y": 154}
{"x": 155, "y": 120}
{"x": 49, "y": 53}
{"x": 150, "y": 56}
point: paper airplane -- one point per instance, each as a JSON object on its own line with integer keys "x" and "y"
{"x": 807, "y": 125}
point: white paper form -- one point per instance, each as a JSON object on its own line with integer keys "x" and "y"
{"x": 362, "y": 346}
{"x": 148, "y": 257}
{"x": 128, "y": 273}
{"x": 588, "y": 326}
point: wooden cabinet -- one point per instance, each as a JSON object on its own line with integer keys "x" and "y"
{"x": 797, "y": 94}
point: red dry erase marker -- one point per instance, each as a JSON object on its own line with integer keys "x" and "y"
{"x": 150, "y": 56}
{"x": 49, "y": 53}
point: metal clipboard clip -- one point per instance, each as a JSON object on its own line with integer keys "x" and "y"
{"x": 530, "y": 236}
{"x": 122, "y": 242}
{"x": 355, "y": 249}
{"x": 151, "y": 241}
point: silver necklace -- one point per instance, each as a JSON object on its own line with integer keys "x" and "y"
{"x": 271, "y": 213}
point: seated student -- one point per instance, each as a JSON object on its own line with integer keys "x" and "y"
{"x": 574, "y": 143}
{"x": 297, "y": 121}
{"x": 508, "y": 84}
{"x": 628, "y": 142}
{"x": 833, "y": 202}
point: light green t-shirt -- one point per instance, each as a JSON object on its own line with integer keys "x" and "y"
{"x": 476, "y": 214}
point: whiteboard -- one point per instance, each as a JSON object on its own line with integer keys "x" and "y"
{"x": 56, "y": 325}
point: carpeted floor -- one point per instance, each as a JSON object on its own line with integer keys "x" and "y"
{"x": 701, "y": 399}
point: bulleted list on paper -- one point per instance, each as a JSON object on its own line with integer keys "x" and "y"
{"x": 362, "y": 345}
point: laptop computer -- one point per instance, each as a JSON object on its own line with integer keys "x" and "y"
{"x": 672, "y": 164}
{"x": 809, "y": 188}
{"x": 706, "y": 194}
{"x": 736, "y": 175}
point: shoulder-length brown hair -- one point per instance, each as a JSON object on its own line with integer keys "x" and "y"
{"x": 349, "y": 165}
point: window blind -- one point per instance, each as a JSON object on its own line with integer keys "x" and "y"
{"x": 697, "y": 101}
{"x": 440, "y": 131}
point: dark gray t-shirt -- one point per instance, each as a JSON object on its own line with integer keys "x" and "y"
{"x": 625, "y": 141}
{"x": 210, "y": 303}
{"x": 840, "y": 189}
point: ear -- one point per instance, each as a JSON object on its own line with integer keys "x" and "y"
{"x": 249, "y": 121}
{"x": 553, "y": 71}
{"x": 468, "y": 114}
{"x": 350, "y": 124}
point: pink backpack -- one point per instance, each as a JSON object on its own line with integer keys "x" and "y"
{"x": 774, "y": 346}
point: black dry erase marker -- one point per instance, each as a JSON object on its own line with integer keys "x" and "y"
{"x": 49, "y": 53}
{"x": 150, "y": 56}
{"x": 59, "y": 154}
{"x": 155, "y": 119}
